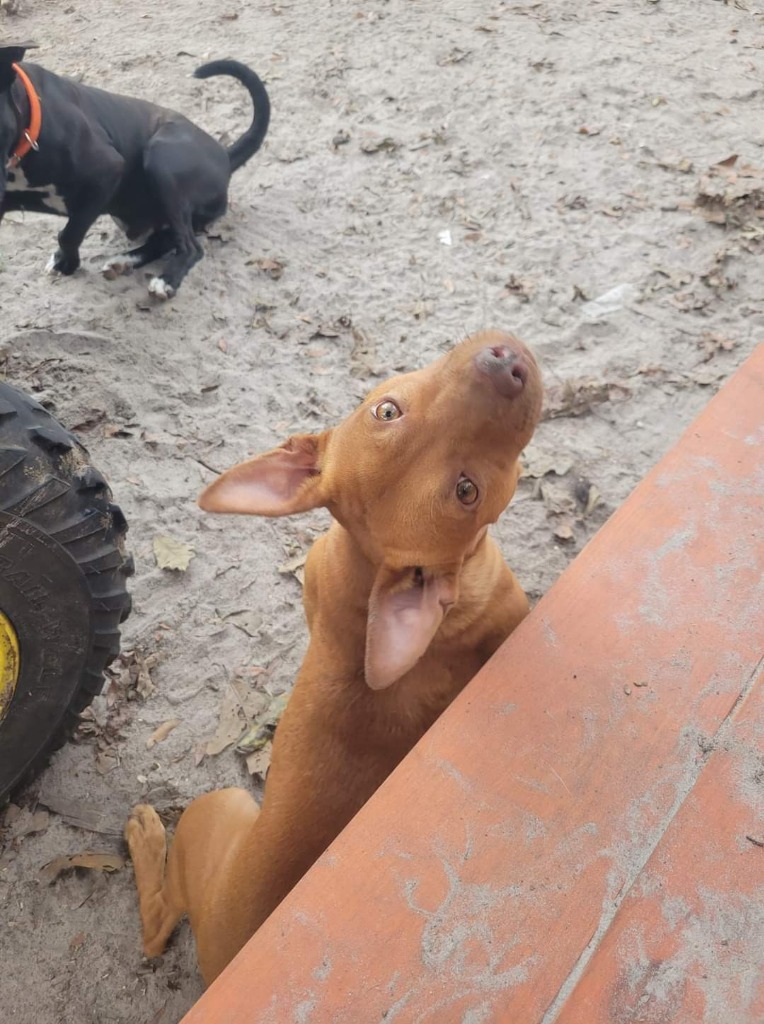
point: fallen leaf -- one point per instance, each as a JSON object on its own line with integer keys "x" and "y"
{"x": 172, "y": 554}
{"x": 294, "y": 567}
{"x": 81, "y": 814}
{"x": 238, "y": 709}
{"x": 676, "y": 163}
{"x": 162, "y": 732}
{"x": 248, "y": 622}
{"x": 325, "y": 331}
{"x": 557, "y": 499}
{"x": 40, "y": 821}
{"x": 363, "y": 355}
{"x": 576, "y": 397}
{"x": 521, "y": 287}
{"x": 106, "y": 762}
{"x": 537, "y": 464}
{"x": 144, "y": 684}
{"x": 12, "y": 813}
{"x": 259, "y": 761}
{"x": 454, "y": 56}
{"x": 731, "y": 194}
{"x": 377, "y": 145}
{"x": 588, "y": 495}
{"x": 23, "y": 822}
{"x": 340, "y": 139}
{"x": 90, "y": 861}
{"x": 77, "y": 941}
{"x": 264, "y": 727}
{"x": 115, "y": 430}
{"x": 273, "y": 268}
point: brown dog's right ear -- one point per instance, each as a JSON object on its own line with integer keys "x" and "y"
{"x": 278, "y": 483}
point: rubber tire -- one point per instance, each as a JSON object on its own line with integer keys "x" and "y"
{"x": 63, "y": 573}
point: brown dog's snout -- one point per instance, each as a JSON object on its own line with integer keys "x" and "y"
{"x": 506, "y": 369}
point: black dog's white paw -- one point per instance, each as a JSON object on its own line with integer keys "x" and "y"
{"x": 118, "y": 265}
{"x": 160, "y": 289}
{"x": 62, "y": 263}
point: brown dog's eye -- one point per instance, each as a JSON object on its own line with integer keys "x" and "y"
{"x": 387, "y": 410}
{"x": 466, "y": 491}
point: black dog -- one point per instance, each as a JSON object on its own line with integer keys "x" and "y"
{"x": 159, "y": 176}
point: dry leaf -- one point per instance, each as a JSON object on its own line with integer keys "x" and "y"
{"x": 23, "y": 822}
{"x": 115, "y": 430}
{"x": 588, "y": 495}
{"x": 712, "y": 343}
{"x": 325, "y": 331}
{"x": 248, "y": 622}
{"x": 83, "y": 815}
{"x": 259, "y": 761}
{"x": 295, "y": 567}
{"x": 558, "y": 499}
{"x": 162, "y": 732}
{"x": 340, "y": 139}
{"x": 521, "y": 287}
{"x": 238, "y": 709}
{"x": 377, "y": 144}
{"x": 537, "y": 464}
{"x": 261, "y": 732}
{"x": 144, "y": 684}
{"x": 90, "y": 861}
{"x": 172, "y": 554}
{"x": 731, "y": 194}
{"x": 77, "y": 941}
{"x": 577, "y": 397}
{"x": 454, "y": 56}
{"x": 273, "y": 268}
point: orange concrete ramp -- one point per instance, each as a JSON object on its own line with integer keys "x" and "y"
{"x": 579, "y": 838}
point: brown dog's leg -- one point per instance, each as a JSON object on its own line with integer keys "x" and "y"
{"x": 160, "y": 912}
{"x": 187, "y": 881}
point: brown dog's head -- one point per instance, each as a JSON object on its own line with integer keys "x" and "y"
{"x": 415, "y": 474}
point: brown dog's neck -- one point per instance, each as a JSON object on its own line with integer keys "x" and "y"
{"x": 340, "y": 576}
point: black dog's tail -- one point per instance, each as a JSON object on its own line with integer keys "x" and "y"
{"x": 247, "y": 144}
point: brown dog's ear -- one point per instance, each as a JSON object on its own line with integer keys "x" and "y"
{"x": 406, "y": 608}
{"x": 278, "y": 483}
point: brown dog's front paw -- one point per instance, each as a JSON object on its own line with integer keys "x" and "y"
{"x": 144, "y": 829}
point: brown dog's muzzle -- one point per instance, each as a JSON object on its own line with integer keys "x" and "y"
{"x": 506, "y": 369}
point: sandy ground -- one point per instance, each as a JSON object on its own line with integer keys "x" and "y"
{"x": 430, "y": 169}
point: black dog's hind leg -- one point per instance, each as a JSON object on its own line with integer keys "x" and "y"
{"x": 84, "y": 209}
{"x": 187, "y": 252}
{"x": 189, "y": 188}
{"x": 155, "y": 246}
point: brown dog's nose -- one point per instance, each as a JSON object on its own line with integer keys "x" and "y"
{"x": 507, "y": 369}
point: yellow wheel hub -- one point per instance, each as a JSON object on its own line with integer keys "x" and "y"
{"x": 9, "y": 664}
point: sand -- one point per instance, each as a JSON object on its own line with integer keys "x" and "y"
{"x": 430, "y": 169}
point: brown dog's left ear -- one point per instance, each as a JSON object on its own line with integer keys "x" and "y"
{"x": 406, "y": 608}
{"x": 278, "y": 483}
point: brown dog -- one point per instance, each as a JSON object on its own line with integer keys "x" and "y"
{"x": 406, "y": 597}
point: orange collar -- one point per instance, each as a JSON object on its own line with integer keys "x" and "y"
{"x": 28, "y": 140}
